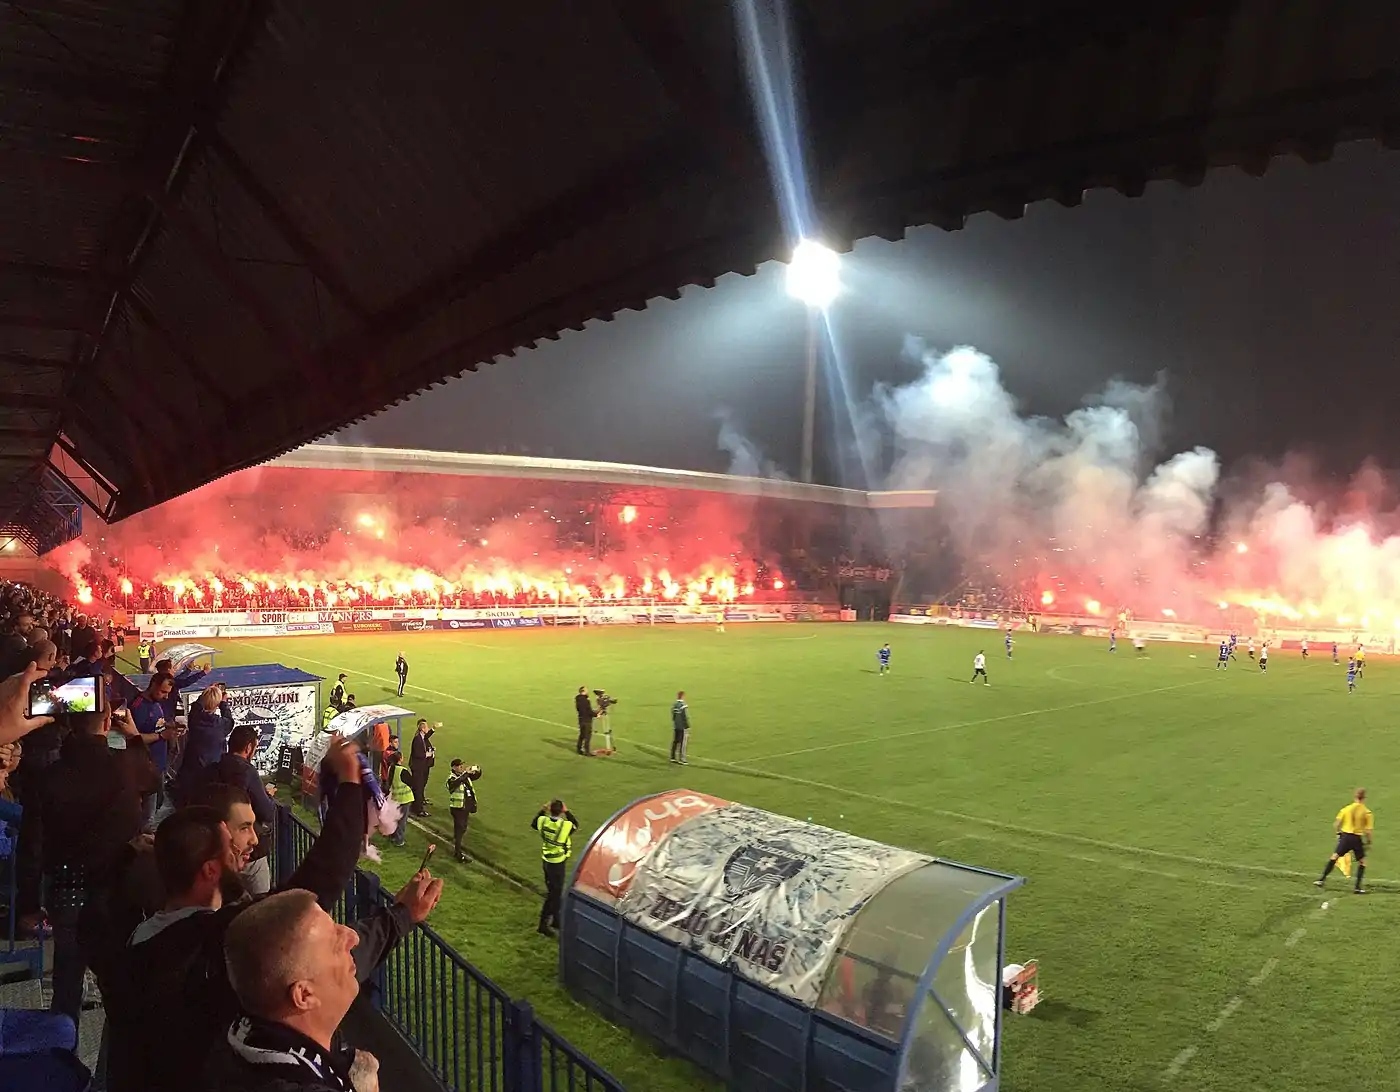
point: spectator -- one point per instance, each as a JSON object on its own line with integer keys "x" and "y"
{"x": 236, "y": 769}
{"x": 379, "y": 743}
{"x": 295, "y": 973}
{"x": 392, "y": 754}
{"x": 84, "y": 639}
{"x": 149, "y": 717}
{"x": 86, "y": 808}
{"x": 173, "y": 972}
{"x": 206, "y": 740}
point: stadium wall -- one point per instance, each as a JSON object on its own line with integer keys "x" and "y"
{"x": 286, "y": 623}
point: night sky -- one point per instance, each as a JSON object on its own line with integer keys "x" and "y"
{"x": 1272, "y": 304}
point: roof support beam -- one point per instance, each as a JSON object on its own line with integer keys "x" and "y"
{"x": 47, "y": 272}
{"x": 177, "y": 348}
{"x": 40, "y": 322}
{"x": 321, "y": 267}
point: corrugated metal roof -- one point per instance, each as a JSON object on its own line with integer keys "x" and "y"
{"x": 260, "y": 202}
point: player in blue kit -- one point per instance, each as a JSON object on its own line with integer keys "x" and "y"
{"x": 884, "y": 659}
{"x": 1223, "y": 664}
{"x": 1351, "y": 676}
{"x": 1008, "y": 644}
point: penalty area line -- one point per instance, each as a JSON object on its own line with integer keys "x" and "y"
{"x": 967, "y": 723}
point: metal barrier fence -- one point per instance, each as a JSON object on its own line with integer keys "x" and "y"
{"x": 470, "y": 1033}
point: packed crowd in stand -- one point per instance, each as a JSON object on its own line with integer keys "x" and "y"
{"x": 158, "y": 884}
{"x": 218, "y": 595}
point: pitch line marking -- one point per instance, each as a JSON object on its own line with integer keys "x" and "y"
{"x": 1205, "y": 862}
{"x": 968, "y": 723}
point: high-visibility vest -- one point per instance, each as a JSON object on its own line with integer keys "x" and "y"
{"x": 556, "y": 832}
{"x": 400, "y": 791}
{"x": 145, "y": 650}
{"x": 457, "y": 798}
{"x": 329, "y": 715}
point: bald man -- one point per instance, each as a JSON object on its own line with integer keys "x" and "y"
{"x": 295, "y": 973}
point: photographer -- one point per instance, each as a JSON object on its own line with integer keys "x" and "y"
{"x": 461, "y": 801}
{"x": 556, "y": 825}
{"x": 584, "y": 708}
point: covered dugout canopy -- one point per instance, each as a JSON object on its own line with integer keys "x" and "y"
{"x": 280, "y": 702}
{"x": 781, "y": 955}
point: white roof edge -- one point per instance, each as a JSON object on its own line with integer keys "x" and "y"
{"x": 411, "y": 461}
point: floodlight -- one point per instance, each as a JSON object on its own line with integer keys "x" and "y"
{"x": 814, "y": 274}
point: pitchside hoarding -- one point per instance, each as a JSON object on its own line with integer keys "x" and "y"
{"x": 291, "y": 623}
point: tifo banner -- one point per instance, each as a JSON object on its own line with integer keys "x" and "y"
{"x": 350, "y": 724}
{"x": 759, "y": 892}
{"x": 182, "y": 656}
{"x": 283, "y": 714}
{"x": 607, "y": 868}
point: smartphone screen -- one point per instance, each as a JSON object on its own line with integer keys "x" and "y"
{"x": 80, "y": 695}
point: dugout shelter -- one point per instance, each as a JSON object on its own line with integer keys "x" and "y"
{"x": 782, "y": 956}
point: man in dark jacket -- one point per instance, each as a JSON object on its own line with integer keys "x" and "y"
{"x": 236, "y": 769}
{"x": 421, "y": 757}
{"x": 295, "y": 973}
{"x": 86, "y": 809}
{"x": 584, "y": 708}
{"x": 208, "y": 726}
{"x": 173, "y": 968}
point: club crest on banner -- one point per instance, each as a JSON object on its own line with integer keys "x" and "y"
{"x": 760, "y": 866}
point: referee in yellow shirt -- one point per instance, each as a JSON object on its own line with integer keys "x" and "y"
{"x": 1354, "y": 825}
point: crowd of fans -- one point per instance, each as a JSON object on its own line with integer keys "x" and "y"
{"x": 216, "y": 594}
{"x": 207, "y": 980}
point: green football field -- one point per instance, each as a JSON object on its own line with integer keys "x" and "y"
{"x": 1169, "y": 819}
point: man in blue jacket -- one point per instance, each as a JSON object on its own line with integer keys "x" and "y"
{"x": 148, "y": 717}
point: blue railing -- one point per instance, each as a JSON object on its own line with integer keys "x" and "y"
{"x": 470, "y": 1033}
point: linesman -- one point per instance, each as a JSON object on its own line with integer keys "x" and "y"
{"x": 1354, "y": 824}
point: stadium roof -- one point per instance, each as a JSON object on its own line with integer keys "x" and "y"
{"x": 229, "y": 228}
{"x": 398, "y": 460}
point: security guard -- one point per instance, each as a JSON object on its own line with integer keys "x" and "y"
{"x": 556, "y": 825}
{"x": 331, "y": 712}
{"x": 461, "y": 801}
{"x": 400, "y": 785}
{"x": 144, "y": 650}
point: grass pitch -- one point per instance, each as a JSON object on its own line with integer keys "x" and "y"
{"x": 1170, "y": 819}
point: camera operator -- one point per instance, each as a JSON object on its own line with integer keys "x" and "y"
{"x": 86, "y": 808}
{"x": 584, "y": 708}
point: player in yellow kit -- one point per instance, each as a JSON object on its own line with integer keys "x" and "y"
{"x": 1354, "y": 825}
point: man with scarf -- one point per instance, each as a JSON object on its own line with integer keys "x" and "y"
{"x": 295, "y": 973}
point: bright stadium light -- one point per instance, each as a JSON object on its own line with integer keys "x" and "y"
{"x": 814, "y": 274}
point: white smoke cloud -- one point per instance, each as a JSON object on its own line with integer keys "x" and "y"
{"x": 746, "y": 458}
{"x": 1014, "y": 488}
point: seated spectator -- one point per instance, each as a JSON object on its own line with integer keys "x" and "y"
{"x": 295, "y": 973}
{"x": 206, "y": 739}
{"x": 166, "y": 994}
